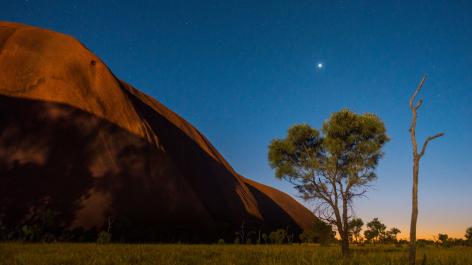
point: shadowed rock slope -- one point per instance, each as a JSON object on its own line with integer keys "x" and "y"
{"x": 75, "y": 139}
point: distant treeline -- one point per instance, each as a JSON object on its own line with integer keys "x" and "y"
{"x": 377, "y": 233}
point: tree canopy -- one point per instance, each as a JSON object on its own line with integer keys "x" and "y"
{"x": 355, "y": 228}
{"x": 468, "y": 234}
{"x": 375, "y": 230}
{"x": 334, "y": 166}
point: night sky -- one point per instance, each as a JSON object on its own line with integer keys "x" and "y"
{"x": 243, "y": 72}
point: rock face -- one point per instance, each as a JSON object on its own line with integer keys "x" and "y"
{"x": 76, "y": 139}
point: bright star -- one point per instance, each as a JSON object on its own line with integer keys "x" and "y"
{"x": 319, "y": 65}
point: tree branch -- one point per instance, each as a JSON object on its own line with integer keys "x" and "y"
{"x": 418, "y": 104}
{"x": 323, "y": 212}
{"x": 430, "y": 138}
{"x": 418, "y": 89}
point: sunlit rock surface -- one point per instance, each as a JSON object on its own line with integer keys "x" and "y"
{"x": 76, "y": 139}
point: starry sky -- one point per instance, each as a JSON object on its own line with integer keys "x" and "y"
{"x": 244, "y": 71}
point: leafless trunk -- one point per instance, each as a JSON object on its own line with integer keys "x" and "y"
{"x": 416, "y": 163}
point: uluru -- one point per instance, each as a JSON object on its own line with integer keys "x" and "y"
{"x": 93, "y": 151}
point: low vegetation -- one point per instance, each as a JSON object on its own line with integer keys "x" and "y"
{"x": 176, "y": 254}
{"x": 277, "y": 247}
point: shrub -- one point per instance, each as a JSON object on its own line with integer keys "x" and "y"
{"x": 104, "y": 237}
{"x": 321, "y": 232}
{"x": 468, "y": 235}
{"x": 265, "y": 238}
{"x": 221, "y": 241}
{"x": 28, "y": 233}
{"x": 278, "y": 236}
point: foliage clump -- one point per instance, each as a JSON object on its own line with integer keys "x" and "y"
{"x": 104, "y": 237}
{"x": 321, "y": 232}
{"x": 278, "y": 236}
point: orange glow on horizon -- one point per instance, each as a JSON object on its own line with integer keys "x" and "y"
{"x": 424, "y": 234}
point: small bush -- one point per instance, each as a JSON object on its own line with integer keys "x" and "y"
{"x": 104, "y": 237}
{"x": 265, "y": 238}
{"x": 320, "y": 232}
{"x": 278, "y": 236}
{"x": 221, "y": 241}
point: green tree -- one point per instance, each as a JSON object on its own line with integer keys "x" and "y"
{"x": 375, "y": 231}
{"x": 468, "y": 234}
{"x": 355, "y": 228}
{"x": 321, "y": 232}
{"x": 443, "y": 238}
{"x": 333, "y": 168}
{"x": 392, "y": 234}
{"x": 43, "y": 225}
{"x": 369, "y": 235}
{"x": 445, "y": 241}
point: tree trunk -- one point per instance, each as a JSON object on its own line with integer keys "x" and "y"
{"x": 414, "y": 212}
{"x": 345, "y": 234}
{"x": 345, "y": 243}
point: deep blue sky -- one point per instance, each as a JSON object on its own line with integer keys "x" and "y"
{"x": 243, "y": 72}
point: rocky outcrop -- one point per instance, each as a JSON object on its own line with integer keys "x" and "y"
{"x": 76, "y": 139}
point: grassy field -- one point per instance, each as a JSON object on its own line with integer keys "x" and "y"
{"x": 37, "y": 254}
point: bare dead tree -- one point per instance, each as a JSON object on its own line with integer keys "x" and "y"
{"x": 414, "y": 106}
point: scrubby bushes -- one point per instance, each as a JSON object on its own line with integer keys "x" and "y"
{"x": 468, "y": 235}
{"x": 44, "y": 225}
{"x": 321, "y": 232}
{"x": 104, "y": 237}
{"x": 377, "y": 232}
{"x": 34, "y": 233}
{"x": 278, "y": 236}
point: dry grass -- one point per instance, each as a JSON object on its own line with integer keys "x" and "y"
{"x": 37, "y": 254}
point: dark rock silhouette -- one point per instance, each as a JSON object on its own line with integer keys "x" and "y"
{"x": 76, "y": 139}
